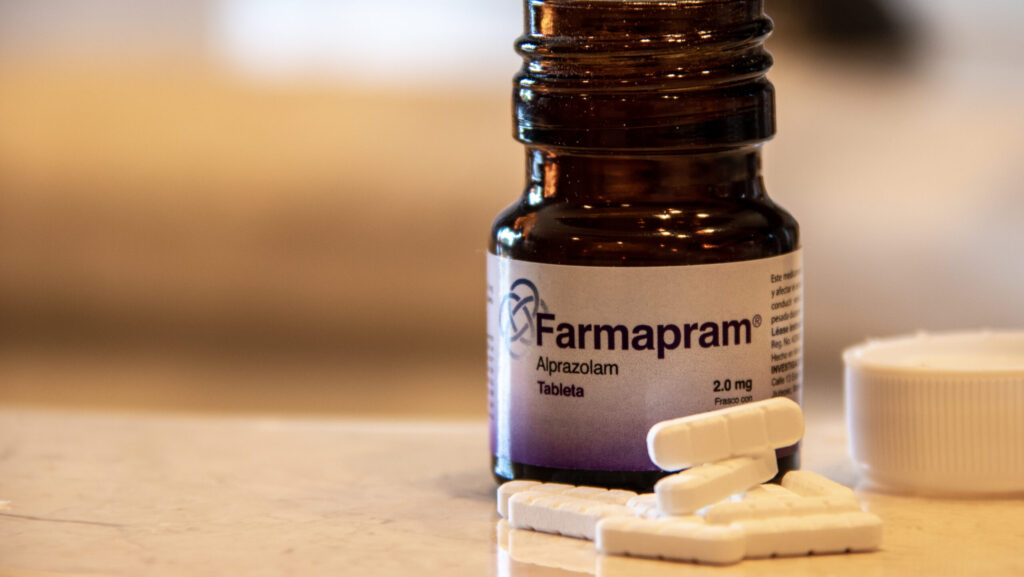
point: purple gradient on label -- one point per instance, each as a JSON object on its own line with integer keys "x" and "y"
{"x": 540, "y": 444}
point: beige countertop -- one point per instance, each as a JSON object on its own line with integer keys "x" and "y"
{"x": 101, "y": 493}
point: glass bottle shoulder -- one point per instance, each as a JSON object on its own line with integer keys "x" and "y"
{"x": 645, "y": 233}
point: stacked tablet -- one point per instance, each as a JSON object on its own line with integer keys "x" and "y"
{"x": 717, "y": 510}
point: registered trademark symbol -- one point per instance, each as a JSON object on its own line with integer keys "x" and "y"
{"x": 757, "y": 321}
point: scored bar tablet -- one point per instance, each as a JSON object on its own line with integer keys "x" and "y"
{"x": 560, "y": 514}
{"x": 671, "y": 538}
{"x": 686, "y": 492}
{"x": 746, "y": 430}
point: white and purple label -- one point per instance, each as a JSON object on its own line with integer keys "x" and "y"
{"x": 582, "y": 361}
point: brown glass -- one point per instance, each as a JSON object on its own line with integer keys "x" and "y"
{"x": 642, "y": 123}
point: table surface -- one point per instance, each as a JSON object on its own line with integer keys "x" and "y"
{"x": 110, "y": 494}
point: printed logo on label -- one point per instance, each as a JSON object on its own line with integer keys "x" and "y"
{"x": 517, "y": 316}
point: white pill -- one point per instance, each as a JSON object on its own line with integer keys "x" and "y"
{"x": 782, "y": 506}
{"x": 560, "y": 514}
{"x": 581, "y": 492}
{"x": 612, "y": 496}
{"x": 686, "y": 492}
{"x": 811, "y": 534}
{"x": 767, "y": 491}
{"x": 811, "y": 484}
{"x": 645, "y": 505}
{"x": 748, "y": 429}
{"x": 670, "y": 538}
{"x": 506, "y": 490}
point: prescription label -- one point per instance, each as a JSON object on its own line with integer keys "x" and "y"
{"x": 582, "y": 361}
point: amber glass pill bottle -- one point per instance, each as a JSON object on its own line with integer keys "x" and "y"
{"x": 644, "y": 274}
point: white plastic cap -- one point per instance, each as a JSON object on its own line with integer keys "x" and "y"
{"x": 938, "y": 414}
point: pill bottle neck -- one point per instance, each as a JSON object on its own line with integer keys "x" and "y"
{"x": 612, "y": 179}
{"x": 653, "y": 75}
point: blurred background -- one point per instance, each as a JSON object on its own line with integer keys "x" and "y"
{"x": 282, "y": 207}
